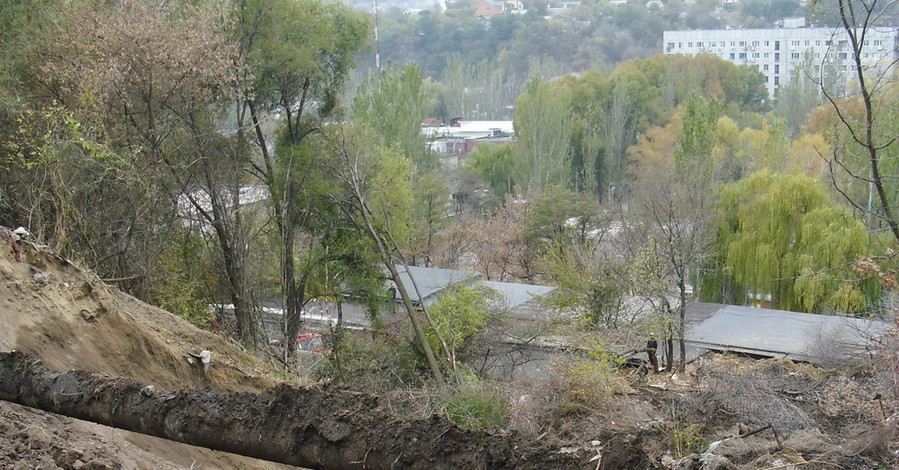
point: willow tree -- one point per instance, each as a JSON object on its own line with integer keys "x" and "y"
{"x": 782, "y": 238}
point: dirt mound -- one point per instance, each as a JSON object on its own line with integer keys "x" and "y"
{"x": 64, "y": 315}
{"x": 34, "y": 439}
{"x": 321, "y": 427}
{"x": 71, "y": 320}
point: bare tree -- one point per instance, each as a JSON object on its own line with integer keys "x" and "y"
{"x": 150, "y": 83}
{"x": 672, "y": 209}
{"x": 869, "y": 130}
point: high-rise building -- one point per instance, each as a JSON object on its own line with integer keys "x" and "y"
{"x": 792, "y": 50}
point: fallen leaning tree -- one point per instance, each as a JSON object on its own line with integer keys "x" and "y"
{"x": 318, "y": 427}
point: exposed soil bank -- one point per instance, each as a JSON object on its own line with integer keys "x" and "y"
{"x": 312, "y": 427}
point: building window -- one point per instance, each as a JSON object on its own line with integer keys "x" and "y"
{"x": 699, "y": 44}
{"x": 755, "y": 44}
{"x": 794, "y": 43}
{"x": 807, "y": 43}
{"x": 817, "y": 43}
{"x": 755, "y": 55}
{"x": 680, "y": 45}
{"x": 742, "y": 43}
{"x": 732, "y": 56}
{"x": 794, "y": 55}
{"x": 777, "y": 57}
{"x": 733, "y": 43}
{"x": 722, "y": 44}
{"x": 828, "y": 43}
{"x": 843, "y": 56}
{"x": 670, "y": 46}
{"x": 817, "y": 55}
{"x": 776, "y": 81}
{"x": 766, "y": 55}
{"x": 742, "y": 56}
{"x": 690, "y": 44}
{"x": 765, "y": 67}
{"x": 776, "y": 69}
{"x": 776, "y": 45}
{"x": 766, "y": 79}
{"x": 767, "y": 43}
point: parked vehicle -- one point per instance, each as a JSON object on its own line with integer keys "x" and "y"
{"x": 305, "y": 342}
{"x": 310, "y": 342}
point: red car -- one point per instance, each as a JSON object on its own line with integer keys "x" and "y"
{"x": 311, "y": 342}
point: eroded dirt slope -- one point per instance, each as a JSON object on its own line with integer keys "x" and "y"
{"x": 68, "y": 318}
{"x": 71, "y": 320}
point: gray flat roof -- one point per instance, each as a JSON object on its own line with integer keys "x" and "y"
{"x": 779, "y": 333}
{"x": 516, "y": 295}
{"x": 431, "y": 281}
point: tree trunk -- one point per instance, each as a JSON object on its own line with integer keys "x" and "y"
{"x": 669, "y": 353}
{"x": 321, "y": 428}
{"x": 293, "y": 291}
{"x": 416, "y": 325}
{"x": 224, "y": 217}
{"x": 681, "y": 324}
{"x": 243, "y": 310}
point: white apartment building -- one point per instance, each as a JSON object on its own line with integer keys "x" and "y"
{"x": 792, "y": 50}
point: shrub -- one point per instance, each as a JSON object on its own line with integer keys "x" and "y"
{"x": 686, "y": 438}
{"x": 476, "y": 407}
{"x": 389, "y": 359}
{"x": 592, "y": 380}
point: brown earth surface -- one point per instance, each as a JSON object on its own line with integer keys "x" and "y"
{"x": 68, "y": 318}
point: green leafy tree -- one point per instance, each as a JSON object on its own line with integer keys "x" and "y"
{"x": 542, "y": 116}
{"x": 591, "y": 286}
{"x": 782, "y": 237}
{"x": 796, "y": 100}
{"x": 672, "y": 212}
{"x": 373, "y": 195}
{"x": 604, "y": 124}
{"x": 495, "y": 165}
{"x": 431, "y": 195}
{"x": 294, "y": 58}
{"x": 394, "y": 105}
{"x": 560, "y": 217}
{"x": 459, "y": 315}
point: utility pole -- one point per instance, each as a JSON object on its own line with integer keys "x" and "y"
{"x": 377, "y": 43}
